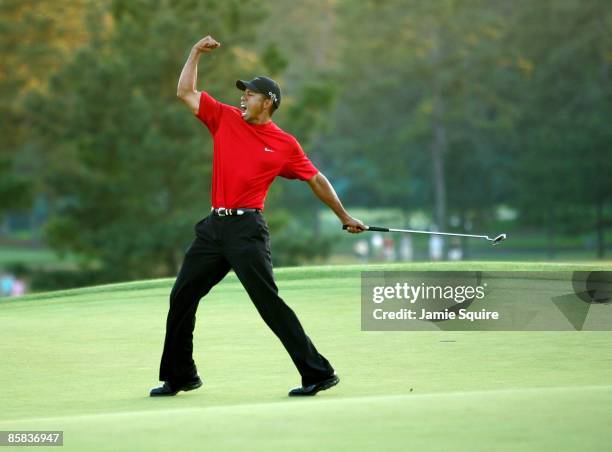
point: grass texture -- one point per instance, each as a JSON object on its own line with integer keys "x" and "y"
{"x": 83, "y": 360}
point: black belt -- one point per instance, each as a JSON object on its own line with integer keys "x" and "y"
{"x": 223, "y": 212}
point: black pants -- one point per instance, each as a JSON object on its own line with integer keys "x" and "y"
{"x": 240, "y": 243}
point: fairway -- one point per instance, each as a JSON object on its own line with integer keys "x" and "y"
{"x": 83, "y": 361}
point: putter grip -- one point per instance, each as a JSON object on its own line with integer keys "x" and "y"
{"x": 370, "y": 228}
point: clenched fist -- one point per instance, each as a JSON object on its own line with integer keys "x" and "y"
{"x": 207, "y": 44}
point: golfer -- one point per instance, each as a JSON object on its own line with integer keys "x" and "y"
{"x": 249, "y": 152}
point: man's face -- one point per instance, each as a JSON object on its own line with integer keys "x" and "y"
{"x": 252, "y": 104}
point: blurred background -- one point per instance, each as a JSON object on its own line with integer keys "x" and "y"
{"x": 475, "y": 116}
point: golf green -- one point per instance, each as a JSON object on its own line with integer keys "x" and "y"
{"x": 83, "y": 361}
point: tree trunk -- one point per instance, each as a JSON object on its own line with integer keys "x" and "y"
{"x": 605, "y": 78}
{"x": 317, "y": 224}
{"x": 326, "y": 24}
{"x": 439, "y": 143}
{"x": 437, "y": 154}
{"x": 465, "y": 249}
{"x": 551, "y": 234}
{"x": 601, "y": 245}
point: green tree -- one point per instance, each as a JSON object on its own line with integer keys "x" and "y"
{"x": 35, "y": 38}
{"x": 563, "y": 52}
{"x": 420, "y": 121}
{"x": 128, "y": 167}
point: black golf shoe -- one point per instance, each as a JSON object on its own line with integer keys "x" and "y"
{"x": 169, "y": 389}
{"x": 312, "y": 389}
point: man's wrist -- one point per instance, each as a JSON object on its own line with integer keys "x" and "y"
{"x": 345, "y": 218}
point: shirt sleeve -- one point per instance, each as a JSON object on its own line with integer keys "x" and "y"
{"x": 299, "y": 165}
{"x": 210, "y": 111}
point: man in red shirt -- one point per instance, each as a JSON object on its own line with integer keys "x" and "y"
{"x": 249, "y": 152}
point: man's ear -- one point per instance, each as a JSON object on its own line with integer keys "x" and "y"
{"x": 268, "y": 104}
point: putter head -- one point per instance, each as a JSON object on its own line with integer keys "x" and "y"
{"x": 500, "y": 238}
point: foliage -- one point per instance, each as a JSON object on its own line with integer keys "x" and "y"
{"x": 450, "y": 107}
{"x": 127, "y": 164}
{"x": 566, "y": 157}
{"x": 35, "y": 37}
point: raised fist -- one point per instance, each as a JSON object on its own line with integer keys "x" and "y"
{"x": 207, "y": 44}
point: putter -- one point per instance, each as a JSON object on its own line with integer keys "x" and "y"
{"x": 495, "y": 240}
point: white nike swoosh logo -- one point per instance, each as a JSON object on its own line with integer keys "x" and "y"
{"x": 268, "y": 150}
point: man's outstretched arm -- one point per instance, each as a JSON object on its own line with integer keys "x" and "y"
{"x": 326, "y": 193}
{"x": 186, "y": 89}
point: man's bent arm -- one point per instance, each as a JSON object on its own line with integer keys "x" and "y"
{"x": 186, "y": 89}
{"x": 326, "y": 193}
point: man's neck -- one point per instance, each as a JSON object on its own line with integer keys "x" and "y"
{"x": 260, "y": 120}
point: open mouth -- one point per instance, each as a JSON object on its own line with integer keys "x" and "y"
{"x": 243, "y": 107}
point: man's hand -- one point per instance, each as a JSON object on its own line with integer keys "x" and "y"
{"x": 354, "y": 226}
{"x": 207, "y": 44}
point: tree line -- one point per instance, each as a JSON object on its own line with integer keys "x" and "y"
{"x": 451, "y": 107}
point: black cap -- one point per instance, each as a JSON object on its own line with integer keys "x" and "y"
{"x": 263, "y": 85}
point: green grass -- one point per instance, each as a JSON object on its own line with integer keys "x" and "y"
{"x": 83, "y": 360}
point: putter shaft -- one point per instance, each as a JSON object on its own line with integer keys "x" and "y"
{"x": 495, "y": 240}
{"x": 412, "y": 231}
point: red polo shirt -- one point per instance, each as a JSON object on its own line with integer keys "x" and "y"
{"x": 247, "y": 157}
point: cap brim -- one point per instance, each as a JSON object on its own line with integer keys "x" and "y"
{"x": 244, "y": 84}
